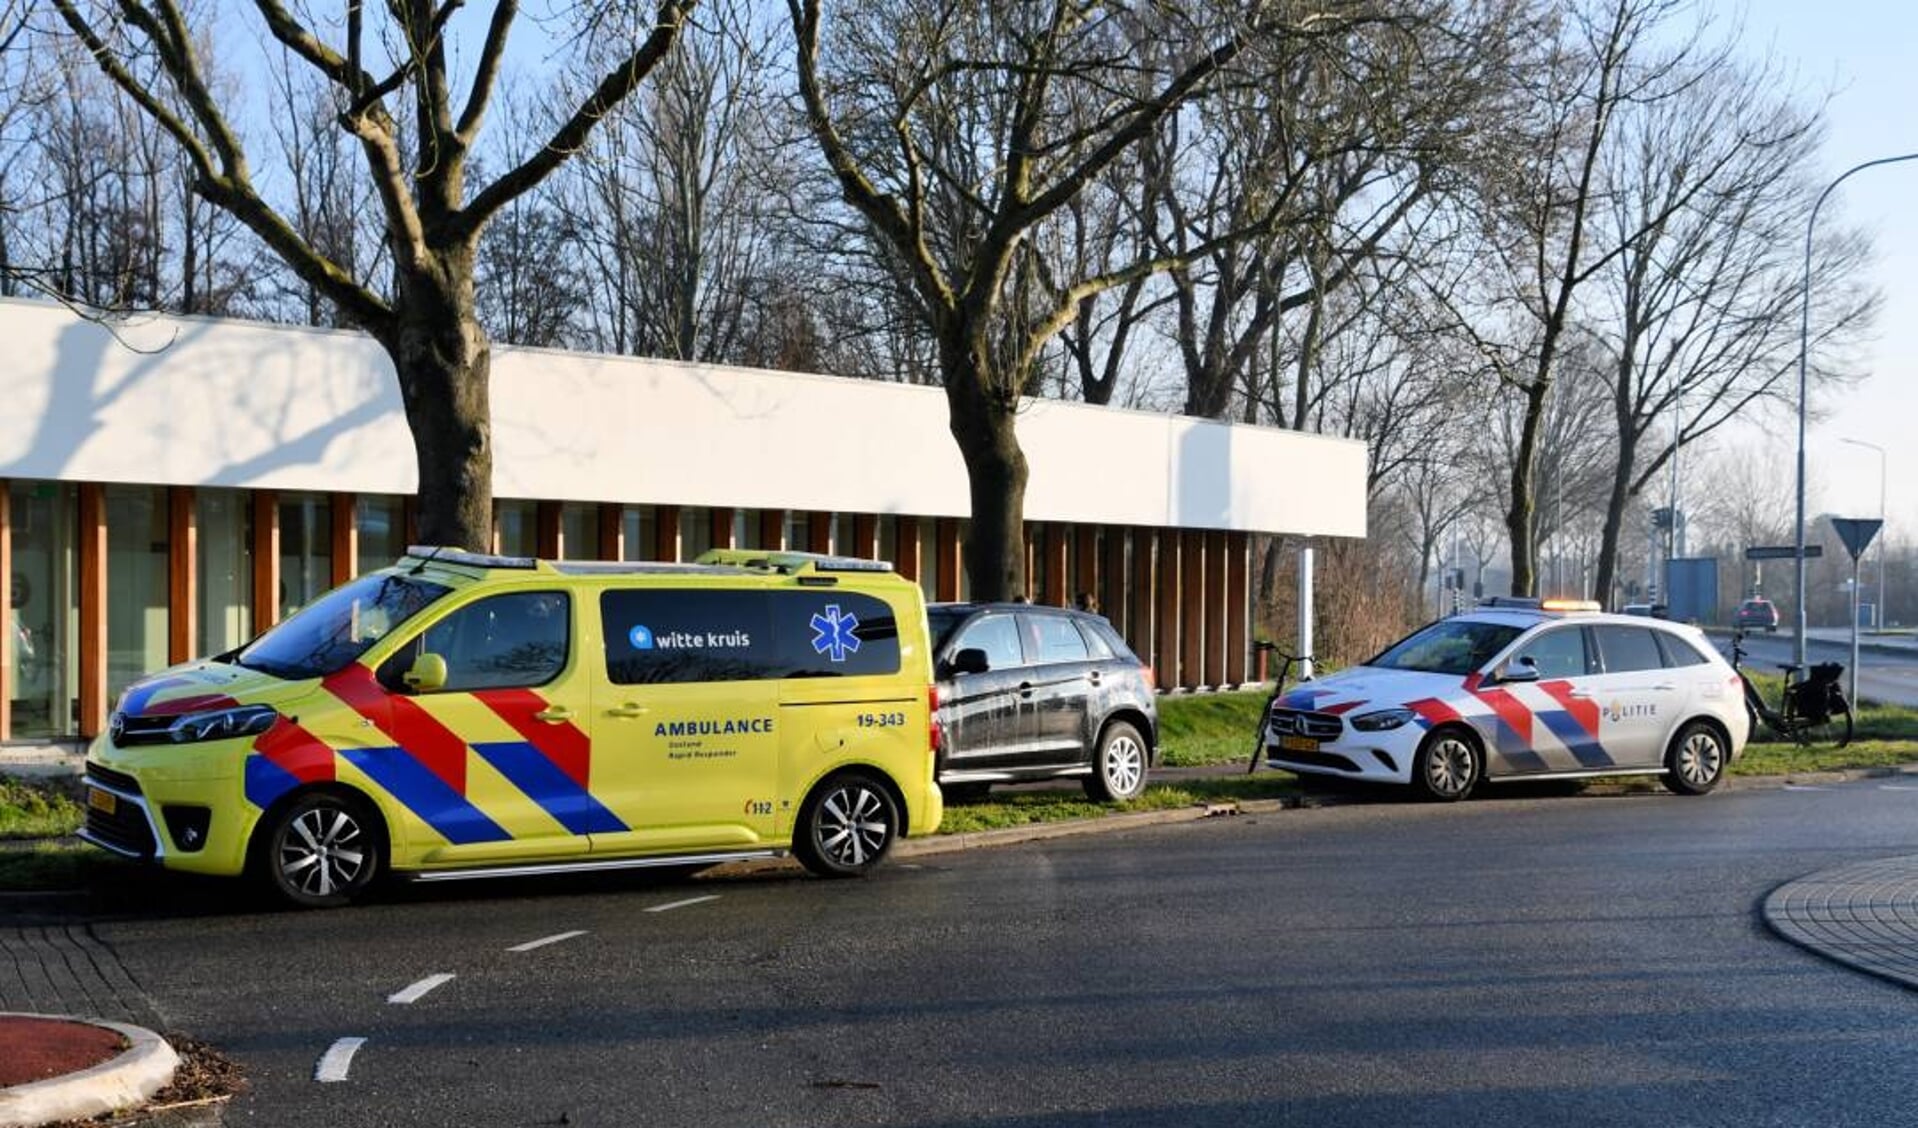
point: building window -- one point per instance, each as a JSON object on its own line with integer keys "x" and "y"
{"x": 137, "y": 597}
{"x": 746, "y": 529}
{"x": 381, "y": 521}
{"x": 516, "y": 528}
{"x": 223, "y": 570}
{"x": 889, "y": 540}
{"x": 798, "y": 530}
{"x": 929, "y": 562}
{"x": 306, "y": 549}
{"x": 640, "y": 530}
{"x": 44, "y": 609}
{"x": 695, "y": 531}
{"x": 579, "y": 531}
{"x": 844, "y": 536}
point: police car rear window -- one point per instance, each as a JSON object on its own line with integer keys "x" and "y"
{"x": 656, "y": 635}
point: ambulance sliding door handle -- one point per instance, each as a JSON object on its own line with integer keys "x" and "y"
{"x": 630, "y": 709}
{"x": 554, "y": 714}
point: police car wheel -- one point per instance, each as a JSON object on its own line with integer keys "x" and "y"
{"x": 1448, "y": 765}
{"x": 847, "y": 826}
{"x": 1696, "y": 761}
{"x": 322, "y": 850}
{"x": 1119, "y": 766}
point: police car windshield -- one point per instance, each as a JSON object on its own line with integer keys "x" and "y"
{"x": 332, "y": 632}
{"x": 1449, "y": 646}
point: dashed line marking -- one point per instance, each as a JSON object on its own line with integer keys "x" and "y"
{"x": 417, "y": 991}
{"x": 1802, "y": 787}
{"x": 683, "y": 904}
{"x": 556, "y": 938}
{"x": 337, "y": 1059}
{"x": 1896, "y": 787}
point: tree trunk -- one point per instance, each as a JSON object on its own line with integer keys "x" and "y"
{"x": 444, "y": 363}
{"x": 983, "y": 426}
{"x": 1518, "y": 519}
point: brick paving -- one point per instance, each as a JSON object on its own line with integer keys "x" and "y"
{"x": 1864, "y": 915}
{"x": 64, "y": 968}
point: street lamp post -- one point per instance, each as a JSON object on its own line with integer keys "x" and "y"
{"x": 1804, "y": 354}
{"x": 1880, "y": 617}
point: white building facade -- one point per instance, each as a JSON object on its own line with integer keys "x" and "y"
{"x": 170, "y": 487}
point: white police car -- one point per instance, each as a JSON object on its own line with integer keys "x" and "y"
{"x": 1520, "y": 689}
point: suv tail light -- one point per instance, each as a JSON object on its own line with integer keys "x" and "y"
{"x": 935, "y": 736}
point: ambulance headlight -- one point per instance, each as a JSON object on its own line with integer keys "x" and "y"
{"x": 1382, "y": 720}
{"x": 222, "y": 724}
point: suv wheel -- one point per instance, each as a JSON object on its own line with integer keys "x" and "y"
{"x": 1119, "y": 766}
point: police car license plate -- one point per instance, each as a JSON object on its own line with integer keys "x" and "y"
{"x": 103, "y": 801}
{"x": 1298, "y": 744}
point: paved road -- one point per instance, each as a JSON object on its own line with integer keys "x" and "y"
{"x": 1882, "y": 676}
{"x": 1516, "y": 958}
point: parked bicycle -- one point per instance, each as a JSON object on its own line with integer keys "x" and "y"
{"x": 1287, "y": 661}
{"x": 1812, "y": 710}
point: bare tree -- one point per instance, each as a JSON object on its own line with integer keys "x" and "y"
{"x": 1612, "y": 58}
{"x": 1699, "y": 323}
{"x": 429, "y": 324}
{"x": 954, "y": 130}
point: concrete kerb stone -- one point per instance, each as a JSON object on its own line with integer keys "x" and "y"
{"x": 144, "y": 1068}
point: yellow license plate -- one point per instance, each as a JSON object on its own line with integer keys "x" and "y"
{"x": 106, "y": 802}
{"x": 1298, "y": 744}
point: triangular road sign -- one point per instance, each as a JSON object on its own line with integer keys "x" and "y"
{"x": 1856, "y": 532}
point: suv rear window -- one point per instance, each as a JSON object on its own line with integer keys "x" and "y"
{"x": 690, "y": 635}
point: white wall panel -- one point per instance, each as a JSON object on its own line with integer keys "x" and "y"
{"x": 193, "y": 401}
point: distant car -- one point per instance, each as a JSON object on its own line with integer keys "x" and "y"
{"x": 1756, "y": 615}
{"x": 1029, "y": 692}
{"x": 1520, "y": 690}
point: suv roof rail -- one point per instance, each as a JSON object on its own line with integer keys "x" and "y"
{"x": 791, "y": 563}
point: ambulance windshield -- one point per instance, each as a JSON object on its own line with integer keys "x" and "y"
{"x": 328, "y": 634}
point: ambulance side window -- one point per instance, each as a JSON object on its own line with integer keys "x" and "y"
{"x": 515, "y": 640}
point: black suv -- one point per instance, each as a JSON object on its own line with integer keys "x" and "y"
{"x": 1029, "y": 692}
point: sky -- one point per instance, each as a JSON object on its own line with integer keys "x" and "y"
{"x": 1866, "y": 53}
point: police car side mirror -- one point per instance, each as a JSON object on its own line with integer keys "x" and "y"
{"x": 971, "y": 660}
{"x": 1524, "y": 668}
{"x": 427, "y": 674}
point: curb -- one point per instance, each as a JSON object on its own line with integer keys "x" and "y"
{"x": 144, "y": 1068}
{"x": 1070, "y": 828}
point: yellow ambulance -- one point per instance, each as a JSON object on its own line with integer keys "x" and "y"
{"x": 462, "y": 715}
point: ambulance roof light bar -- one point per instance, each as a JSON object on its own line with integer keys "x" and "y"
{"x": 791, "y": 562}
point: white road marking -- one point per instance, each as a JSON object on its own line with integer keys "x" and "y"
{"x": 545, "y": 940}
{"x": 1895, "y": 787}
{"x": 683, "y": 904}
{"x": 1802, "y": 787}
{"x": 418, "y": 990}
{"x": 337, "y": 1059}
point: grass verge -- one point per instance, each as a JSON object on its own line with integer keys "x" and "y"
{"x": 1209, "y": 728}
{"x": 35, "y": 810}
{"x": 39, "y": 867}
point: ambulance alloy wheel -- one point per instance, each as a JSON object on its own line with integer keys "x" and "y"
{"x": 1696, "y": 761}
{"x": 847, "y": 826}
{"x": 322, "y": 850}
{"x": 1448, "y": 765}
{"x": 1119, "y": 765}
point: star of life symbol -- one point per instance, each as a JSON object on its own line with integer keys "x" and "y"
{"x": 833, "y": 634}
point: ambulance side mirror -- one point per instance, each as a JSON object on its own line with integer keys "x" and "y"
{"x": 427, "y": 674}
{"x": 1523, "y": 668}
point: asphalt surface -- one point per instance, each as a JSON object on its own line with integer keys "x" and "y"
{"x": 1526, "y": 956}
{"x": 1884, "y": 673}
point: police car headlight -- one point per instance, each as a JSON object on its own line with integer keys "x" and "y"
{"x": 222, "y": 724}
{"x": 1382, "y": 720}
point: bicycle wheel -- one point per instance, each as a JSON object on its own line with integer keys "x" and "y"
{"x": 1831, "y": 731}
